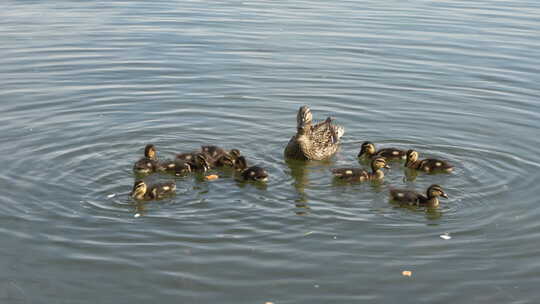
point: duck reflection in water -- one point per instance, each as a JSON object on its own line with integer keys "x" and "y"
{"x": 299, "y": 170}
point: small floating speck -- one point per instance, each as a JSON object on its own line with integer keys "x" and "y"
{"x": 111, "y": 195}
{"x": 406, "y": 273}
{"x": 445, "y": 236}
{"x": 335, "y": 237}
{"x": 137, "y": 215}
{"x": 308, "y": 233}
{"x": 211, "y": 177}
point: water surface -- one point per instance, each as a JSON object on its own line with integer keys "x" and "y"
{"x": 86, "y": 85}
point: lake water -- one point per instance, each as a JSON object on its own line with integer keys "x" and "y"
{"x": 85, "y": 85}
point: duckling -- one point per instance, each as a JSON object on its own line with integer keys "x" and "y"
{"x": 361, "y": 175}
{"x": 368, "y": 149}
{"x": 253, "y": 173}
{"x": 143, "y": 192}
{"x": 218, "y": 157}
{"x": 196, "y": 160}
{"x": 426, "y": 165}
{"x": 413, "y": 198}
{"x": 200, "y": 162}
{"x": 313, "y": 142}
{"x": 149, "y": 163}
{"x": 177, "y": 166}
{"x": 228, "y": 159}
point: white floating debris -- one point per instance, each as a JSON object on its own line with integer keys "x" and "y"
{"x": 111, "y": 195}
{"x": 308, "y": 233}
{"x": 445, "y": 236}
{"x": 137, "y": 215}
{"x": 406, "y": 273}
{"x": 335, "y": 237}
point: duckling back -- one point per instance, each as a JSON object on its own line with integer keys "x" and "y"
{"x": 407, "y": 197}
{"x": 351, "y": 174}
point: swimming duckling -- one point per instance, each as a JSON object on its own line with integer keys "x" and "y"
{"x": 253, "y": 173}
{"x": 413, "y": 198}
{"x": 200, "y": 162}
{"x": 361, "y": 175}
{"x": 177, "y": 166}
{"x": 228, "y": 159}
{"x": 149, "y": 163}
{"x": 426, "y": 165}
{"x": 313, "y": 142}
{"x": 196, "y": 160}
{"x": 218, "y": 157}
{"x": 368, "y": 149}
{"x": 143, "y": 192}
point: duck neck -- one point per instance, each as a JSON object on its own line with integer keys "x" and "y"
{"x": 414, "y": 164}
{"x": 138, "y": 193}
{"x": 432, "y": 201}
{"x": 377, "y": 174}
{"x": 368, "y": 153}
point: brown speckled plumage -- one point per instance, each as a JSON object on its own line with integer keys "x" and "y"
{"x": 313, "y": 142}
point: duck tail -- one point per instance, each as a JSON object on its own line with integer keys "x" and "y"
{"x": 338, "y": 132}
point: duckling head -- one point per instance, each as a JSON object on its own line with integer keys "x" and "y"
{"x": 367, "y": 148}
{"x": 255, "y": 173}
{"x": 435, "y": 191}
{"x": 379, "y": 163}
{"x": 150, "y": 152}
{"x": 139, "y": 189}
{"x": 412, "y": 156}
{"x": 235, "y": 153}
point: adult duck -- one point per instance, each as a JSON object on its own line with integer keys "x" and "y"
{"x": 313, "y": 142}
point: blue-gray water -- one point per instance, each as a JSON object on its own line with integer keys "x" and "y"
{"x": 86, "y": 84}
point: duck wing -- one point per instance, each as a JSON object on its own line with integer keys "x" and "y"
{"x": 324, "y": 138}
{"x": 390, "y": 153}
{"x": 405, "y": 196}
{"x": 432, "y": 164}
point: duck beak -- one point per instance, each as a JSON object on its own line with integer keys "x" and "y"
{"x": 444, "y": 195}
{"x": 263, "y": 178}
{"x": 387, "y": 166}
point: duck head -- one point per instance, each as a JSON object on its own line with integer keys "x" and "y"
{"x": 150, "y": 152}
{"x": 255, "y": 173}
{"x": 435, "y": 191}
{"x": 367, "y": 148}
{"x": 412, "y": 156}
{"x": 379, "y": 163}
{"x": 139, "y": 189}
